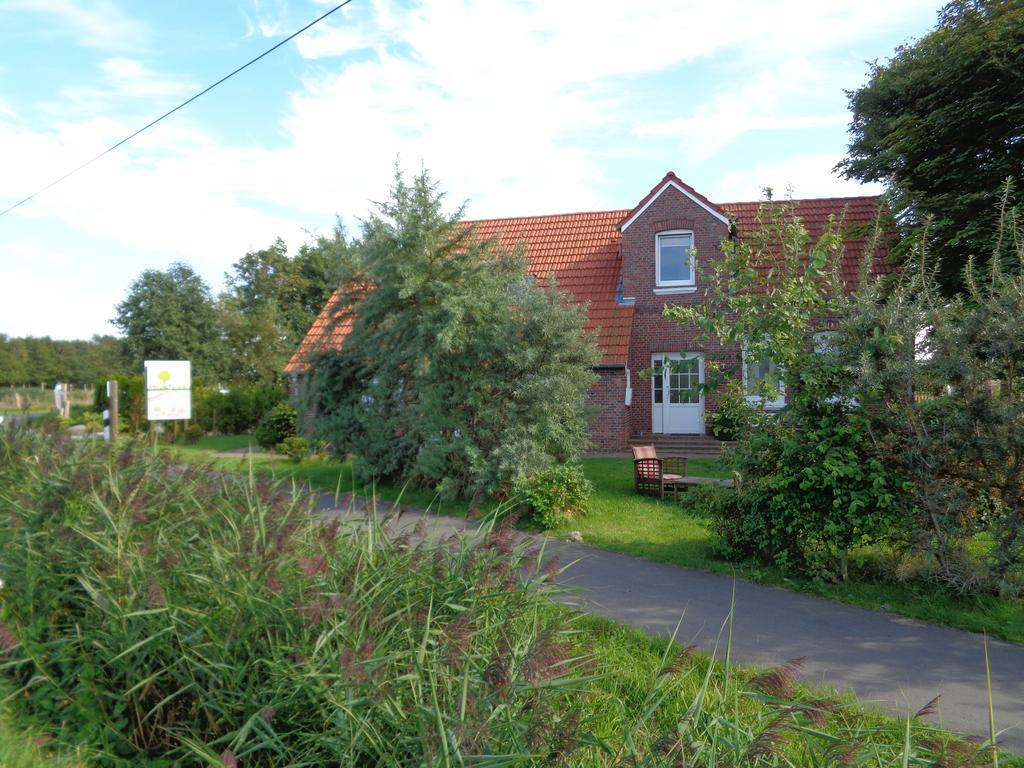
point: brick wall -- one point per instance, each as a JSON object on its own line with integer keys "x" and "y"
{"x": 651, "y": 332}
{"x": 609, "y": 420}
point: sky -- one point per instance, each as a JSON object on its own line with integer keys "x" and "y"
{"x": 516, "y": 107}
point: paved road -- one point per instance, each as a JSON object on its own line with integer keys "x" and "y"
{"x": 891, "y": 661}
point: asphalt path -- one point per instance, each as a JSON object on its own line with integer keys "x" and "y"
{"x": 889, "y": 661}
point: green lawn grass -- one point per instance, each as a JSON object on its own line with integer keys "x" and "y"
{"x": 20, "y": 741}
{"x": 621, "y": 521}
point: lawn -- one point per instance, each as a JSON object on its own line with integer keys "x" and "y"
{"x": 21, "y": 742}
{"x": 621, "y": 521}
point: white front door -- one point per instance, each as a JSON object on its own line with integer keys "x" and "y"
{"x": 677, "y": 406}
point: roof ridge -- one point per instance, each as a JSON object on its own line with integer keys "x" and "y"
{"x": 548, "y": 215}
{"x": 803, "y": 200}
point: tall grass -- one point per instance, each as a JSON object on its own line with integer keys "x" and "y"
{"x": 170, "y": 615}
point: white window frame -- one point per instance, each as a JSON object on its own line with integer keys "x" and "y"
{"x": 772, "y": 405}
{"x": 657, "y": 260}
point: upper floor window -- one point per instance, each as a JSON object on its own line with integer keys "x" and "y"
{"x": 674, "y": 258}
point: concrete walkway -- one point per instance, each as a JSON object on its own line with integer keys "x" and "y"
{"x": 893, "y": 662}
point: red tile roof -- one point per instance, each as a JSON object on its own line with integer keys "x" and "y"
{"x": 581, "y": 251}
{"x": 855, "y": 214}
{"x": 327, "y": 332}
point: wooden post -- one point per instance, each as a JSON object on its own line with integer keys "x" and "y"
{"x": 113, "y": 405}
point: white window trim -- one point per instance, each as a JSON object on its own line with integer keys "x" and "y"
{"x": 655, "y": 359}
{"x": 679, "y": 289}
{"x": 669, "y": 184}
{"x": 771, "y": 405}
{"x": 692, "y": 282}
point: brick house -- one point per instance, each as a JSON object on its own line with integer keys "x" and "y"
{"x": 626, "y": 265}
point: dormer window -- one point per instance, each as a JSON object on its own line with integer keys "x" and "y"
{"x": 674, "y": 259}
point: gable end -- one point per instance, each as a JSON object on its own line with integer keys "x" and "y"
{"x": 656, "y": 195}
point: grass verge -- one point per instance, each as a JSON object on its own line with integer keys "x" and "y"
{"x": 621, "y": 521}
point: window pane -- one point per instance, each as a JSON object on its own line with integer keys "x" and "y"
{"x": 823, "y": 342}
{"x": 675, "y": 258}
{"x": 657, "y": 383}
{"x": 761, "y": 371}
{"x": 684, "y": 381}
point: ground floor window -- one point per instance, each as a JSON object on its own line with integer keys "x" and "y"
{"x": 762, "y": 381}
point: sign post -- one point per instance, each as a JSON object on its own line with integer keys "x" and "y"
{"x": 110, "y": 416}
{"x": 168, "y": 390}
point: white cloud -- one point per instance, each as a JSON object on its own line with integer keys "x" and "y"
{"x": 492, "y": 94}
{"x": 803, "y": 175}
{"x": 126, "y": 87}
{"x": 98, "y": 24}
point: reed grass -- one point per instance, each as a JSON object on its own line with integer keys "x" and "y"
{"x": 166, "y": 615}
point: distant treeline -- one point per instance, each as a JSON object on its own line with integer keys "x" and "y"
{"x": 42, "y": 360}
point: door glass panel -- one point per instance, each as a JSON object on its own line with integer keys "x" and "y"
{"x": 684, "y": 381}
{"x": 657, "y": 379}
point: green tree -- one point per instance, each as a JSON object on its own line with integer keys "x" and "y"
{"x": 814, "y": 486}
{"x": 941, "y": 384}
{"x": 940, "y": 124}
{"x": 459, "y": 372}
{"x": 170, "y": 315}
{"x": 768, "y": 291}
{"x": 272, "y": 299}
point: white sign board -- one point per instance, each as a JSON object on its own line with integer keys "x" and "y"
{"x": 168, "y": 390}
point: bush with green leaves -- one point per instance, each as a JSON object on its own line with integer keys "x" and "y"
{"x": 237, "y": 410}
{"x": 192, "y": 433}
{"x": 940, "y": 381}
{"x": 814, "y": 485}
{"x": 277, "y": 425}
{"x": 295, "y": 448}
{"x": 556, "y": 495}
{"x": 813, "y": 488}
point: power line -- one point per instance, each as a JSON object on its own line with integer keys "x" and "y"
{"x": 149, "y": 125}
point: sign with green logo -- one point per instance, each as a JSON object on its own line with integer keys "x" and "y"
{"x": 168, "y": 390}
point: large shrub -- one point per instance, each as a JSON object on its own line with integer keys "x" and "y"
{"x": 237, "y": 410}
{"x": 459, "y": 372}
{"x": 940, "y": 381}
{"x": 812, "y": 489}
{"x": 159, "y": 612}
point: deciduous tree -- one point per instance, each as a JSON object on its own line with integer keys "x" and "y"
{"x": 170, "y": 314}
{"x": 941, "y": 124}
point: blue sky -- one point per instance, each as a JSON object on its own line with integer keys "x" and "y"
{"x": 516, "y": 106}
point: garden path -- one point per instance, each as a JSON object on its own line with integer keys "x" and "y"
{"x": 890, "y": 661}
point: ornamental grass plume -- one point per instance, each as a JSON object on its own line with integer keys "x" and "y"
{"x": 780, "y": 682}
{"x": 231, "y": 626}
{"x": 8, "y": 640}
{"x": 184, "y": 616}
